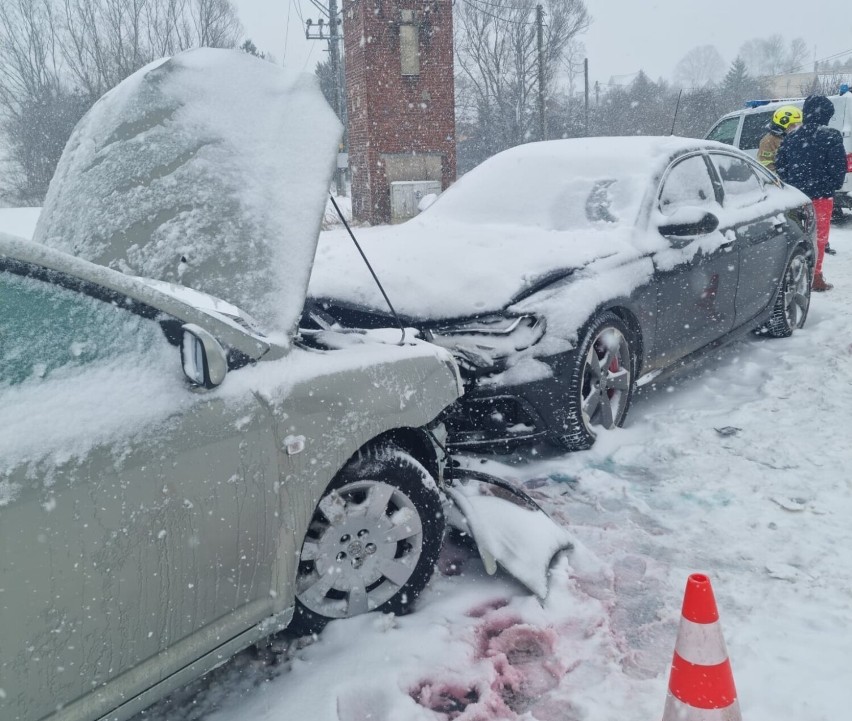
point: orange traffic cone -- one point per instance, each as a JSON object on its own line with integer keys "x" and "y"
{"x": 701, "y": 685}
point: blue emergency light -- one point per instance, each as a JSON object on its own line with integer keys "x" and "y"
{"x": 844, "y": 89}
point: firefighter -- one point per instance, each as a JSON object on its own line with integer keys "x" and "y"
{"x": 784, "y": 120}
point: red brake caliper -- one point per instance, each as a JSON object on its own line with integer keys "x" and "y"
{"x": 613, "y": 368}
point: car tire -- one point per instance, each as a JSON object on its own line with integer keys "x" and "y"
{"x": 794, "y": 298}
{"x": 605, "y": 336}
{"x": 376, "y": 532}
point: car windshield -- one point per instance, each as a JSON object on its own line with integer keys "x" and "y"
{"x": 567, "y": 185}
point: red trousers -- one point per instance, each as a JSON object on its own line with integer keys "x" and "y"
{"x": 823, "y": 208}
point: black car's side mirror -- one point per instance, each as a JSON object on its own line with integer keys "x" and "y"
{"x": 689, "y": 223}
{"x": 204, "y": 361}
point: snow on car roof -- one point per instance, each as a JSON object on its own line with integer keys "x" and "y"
{"x": 520, "y": 215}
{"x": 209, "y": 169}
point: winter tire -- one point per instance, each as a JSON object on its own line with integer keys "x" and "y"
{"x": 601, "y": 381}
{"x": 794, "y": 298}
{"x": 372, "y": 542}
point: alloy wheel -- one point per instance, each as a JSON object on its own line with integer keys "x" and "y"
{"x": 606, "y": 379}
{"x": 796, "y": 292}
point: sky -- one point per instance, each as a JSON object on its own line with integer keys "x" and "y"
{"x": 626, "y": 35}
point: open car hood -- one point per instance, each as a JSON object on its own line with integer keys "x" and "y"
{"x": 210, "y": 169}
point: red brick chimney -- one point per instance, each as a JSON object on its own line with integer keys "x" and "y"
{"x": 400, "y": 99}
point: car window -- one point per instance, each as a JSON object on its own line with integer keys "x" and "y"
{"x": 687, "y": 183}
{"x": 740, "y": 184}
{"x": 47, "y": 330}
{"x": 754, "y": 128}
{"x": 725, "y": 131}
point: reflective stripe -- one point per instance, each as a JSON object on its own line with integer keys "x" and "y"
{"x": 679, "y": 711}
{"x": 705, "y": 687}
{"x": 701, "y": 643}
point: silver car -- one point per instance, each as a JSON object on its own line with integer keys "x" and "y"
{"x": 176, "y": 483}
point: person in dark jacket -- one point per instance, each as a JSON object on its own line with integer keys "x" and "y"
{"x": 813, "y": 160}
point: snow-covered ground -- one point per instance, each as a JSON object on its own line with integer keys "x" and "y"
{"x": 737, "y": 469}
{"x": 762, "y": 507}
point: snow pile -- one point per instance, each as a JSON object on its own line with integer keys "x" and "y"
{"x": 210, "y": 169}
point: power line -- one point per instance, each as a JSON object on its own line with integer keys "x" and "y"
{"x": 479, "y": 9}
{"x": 504, "y": 6}
{"x": 822, "y": 60}
{"x": 287, "y": 30}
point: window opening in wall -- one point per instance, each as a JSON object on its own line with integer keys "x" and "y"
{"x": 409, "y": 44}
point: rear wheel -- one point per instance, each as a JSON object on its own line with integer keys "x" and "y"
{"x": 794, "y": 298}
{"x": 601, "y": 382}
{"x": 372, "y": 542}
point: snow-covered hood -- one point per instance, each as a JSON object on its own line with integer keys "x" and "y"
{"x": 450, "y": 270}
{"x": 210, "y": 169}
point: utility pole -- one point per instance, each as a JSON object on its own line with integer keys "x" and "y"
{"x": 335, "y": 65}
{"x": 586, "y": 76}
{"x": 539, "y": 22}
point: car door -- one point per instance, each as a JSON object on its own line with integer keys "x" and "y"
{"x": 695, "y": 281}
{"x": 138, "y": 520}
{"x": 754, "y": 217}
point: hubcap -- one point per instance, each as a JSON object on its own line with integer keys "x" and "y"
{"x": 796, "y": 297}
{"x": 362, "y": 546}
{"x": 606, "y": 379}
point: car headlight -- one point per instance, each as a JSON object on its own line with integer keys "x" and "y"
{"x": 486, "y": 342}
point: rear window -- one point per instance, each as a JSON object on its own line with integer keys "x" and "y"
{"x": 754, "y": 128}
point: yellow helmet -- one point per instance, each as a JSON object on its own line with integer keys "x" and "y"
{"x": 786, "y": 116}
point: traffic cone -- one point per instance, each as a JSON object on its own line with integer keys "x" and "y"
{"x": 701, "y": 684}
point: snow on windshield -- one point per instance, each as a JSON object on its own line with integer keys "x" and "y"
{"x": 558, "y": 185}
{"x": 209, "y": 169}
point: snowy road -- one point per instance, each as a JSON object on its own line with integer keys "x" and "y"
{"x": 765, "y": 511}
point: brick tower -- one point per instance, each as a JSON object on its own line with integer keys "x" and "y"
{"x": 400, "y": 100}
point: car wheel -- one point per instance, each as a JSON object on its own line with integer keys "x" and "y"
{"x": 794, "y": 298}
{"x": 601, "y": 381}
{"x": 372, "y": 542}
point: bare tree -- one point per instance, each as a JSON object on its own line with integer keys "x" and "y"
{"x": 699, "y": 68}
{"x": 497, "y": 58}
{"x": 57, "y": 57}
{"x": 772, "y": 55}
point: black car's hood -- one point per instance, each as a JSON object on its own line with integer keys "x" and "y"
{"x": 439, "y": 270}
{"x": 326, "y": 311}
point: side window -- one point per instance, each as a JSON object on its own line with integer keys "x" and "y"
{"x": 49, "y": 331}
{"x": 754, "y": 128}
{"x": 740, "y": 184}
{"x": 725, "y": 131}
{"x": 687, "y": 183}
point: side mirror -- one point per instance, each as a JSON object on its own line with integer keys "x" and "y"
{"x": 689, "y": 222}
{"x": 204, "y": 361}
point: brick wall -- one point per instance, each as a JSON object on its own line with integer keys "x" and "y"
{"x": 402, "y": 126}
